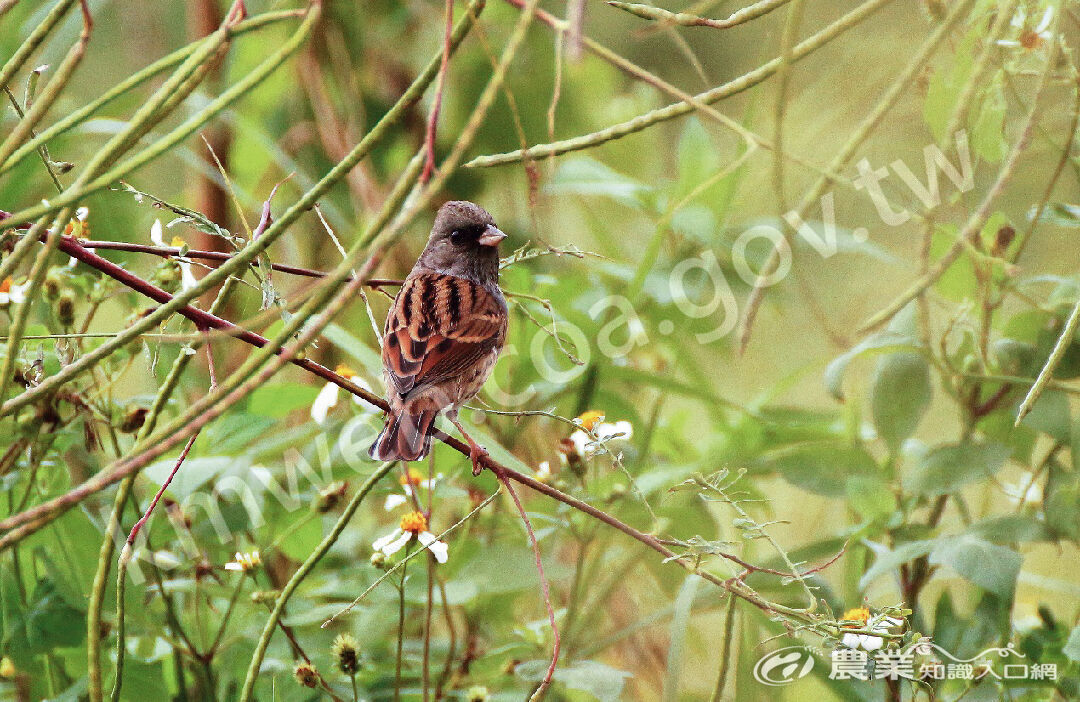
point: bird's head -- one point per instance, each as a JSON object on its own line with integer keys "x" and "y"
{"x": 464, "y": 242}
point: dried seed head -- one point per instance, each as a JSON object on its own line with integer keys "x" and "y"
{"x": 306, "y": 674}
{"x": 346, "y": 653}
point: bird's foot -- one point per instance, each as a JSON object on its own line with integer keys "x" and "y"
{"x": 476, "y": 452}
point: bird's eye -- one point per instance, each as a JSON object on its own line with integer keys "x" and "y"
{"x": 457, "y": 237}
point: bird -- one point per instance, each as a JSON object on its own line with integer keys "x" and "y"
{"x": 443, "y": 333}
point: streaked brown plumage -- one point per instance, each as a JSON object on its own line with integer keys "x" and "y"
{"x": 443, "y": 332}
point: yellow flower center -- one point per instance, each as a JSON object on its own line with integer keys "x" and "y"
{"x": 589, "y": 419}
{"x": 415, "y": 522}
{"x": 859, "y": 614}
{"x": 414, "y": 477}
{"x": 5, "y": 285}
{"x": 345, "y": 372}
{"x": 177, "y": 243}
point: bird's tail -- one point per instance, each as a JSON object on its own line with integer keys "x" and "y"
{"x": 405, "y": 437}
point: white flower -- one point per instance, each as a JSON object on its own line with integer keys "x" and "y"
{"x": 394, "y": 500}
{"x": 621, "y": 430}
{"x": 869, "y": 642}
{"x": 543, "y": 471}
{"x": 187, "y": 278}
{"x": 1027, "y": 491}
{"x": 412, "y": 524}
{"x": 12, "y": 294}
{"x": 244, "y": 562}
{"x": 1030, "y": 39}
{"x": 328, "y": 396}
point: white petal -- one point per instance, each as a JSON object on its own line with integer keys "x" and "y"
{"x": 72, "y": 262}
{"x": 580, "y": 440}
{"x": 851, "y": 640}
{"x": 1045, "y": 21}
{"x": 326, "y": 399}
{"x": 394, "y": 501}
{"x": 18, "y": 293}
{"x": 81, "y": 213}
{"x": 437, "y": 548}
{"x": 872, "y": 643}
{"x": 382, "y": 541}
{"x": 233, "y": 565}
{"x": 155, "y": 233}
{"x": 187, "y": 278}
{"x": 395, "y": 546}
{"x": 622, "y": 430}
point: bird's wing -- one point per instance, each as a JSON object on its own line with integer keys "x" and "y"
{"x": 438, "y": 327}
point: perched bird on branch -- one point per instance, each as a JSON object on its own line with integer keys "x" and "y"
{"x": 443, "y": 333}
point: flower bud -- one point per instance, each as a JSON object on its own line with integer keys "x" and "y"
{"x": 65, "y": 308}
{"x": 477, "y": 693}
{"x": 378, "y": 559}
{"x": 329, "y": 497}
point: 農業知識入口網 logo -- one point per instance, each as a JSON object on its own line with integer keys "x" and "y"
{"x": 784, "y": 666}
{"x": 923, "y": 660}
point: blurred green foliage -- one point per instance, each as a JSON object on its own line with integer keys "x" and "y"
{"x": 895, "y": 445}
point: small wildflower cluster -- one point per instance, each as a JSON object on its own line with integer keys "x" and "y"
{"x": 244, "y": 562}
{"x": 412, "y": 525}
{"x": 594, "y": 436}
{"x": 860, "y": 618}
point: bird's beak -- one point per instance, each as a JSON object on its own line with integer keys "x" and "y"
{"x": 491, "y": 236}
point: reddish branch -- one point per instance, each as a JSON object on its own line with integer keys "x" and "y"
{"x": 433, "y": 118}
{"x": 174, "y": 252}
{"x": 539, "y": 692}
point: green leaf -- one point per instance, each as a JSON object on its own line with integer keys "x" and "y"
{"x": 900, "y": 395}
{"x": 821, "y": 467}
{"x": 1050, "y": 415}
{"x": 958, "y": 282}
{"x": 587, "y": 176}
{"x": 881, "y": 342}
{"x": 1062, "y": 505}
{"x": 277, "y": 400}
{"x": 870, "y": 496}
{"x": 947, "y": 468}
{"x": 1072, "y": 646}
{"x": 991, "y": 567}
{"x": 51, "y": 622}
{"x": 988, "y": 131}
{"x": 366, "y": 356}
{"x": 600, "y": 681}
{"x": 889, "y": 560}
{"x": 698, "y": 157}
